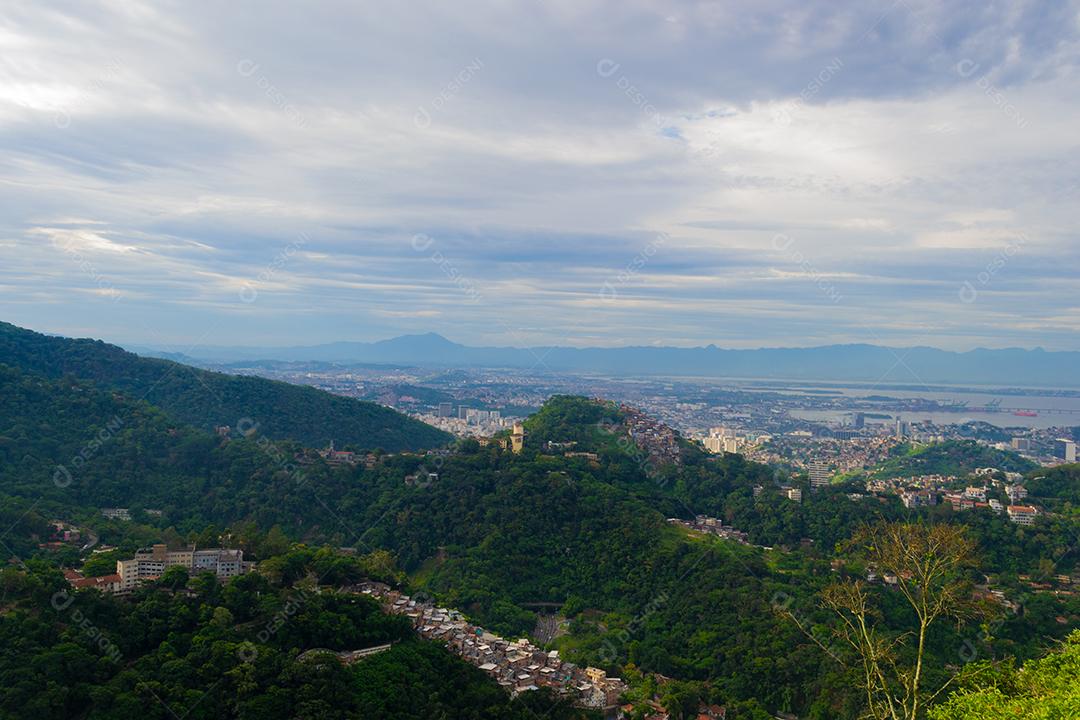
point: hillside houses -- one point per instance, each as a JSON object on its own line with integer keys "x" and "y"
{"x": 654, "y": 437}
{"x": 711, "y": 526}
{"x": 516, "y": 665}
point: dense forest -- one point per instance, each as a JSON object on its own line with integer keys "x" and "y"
{"x": 1047, "y": 688}
{"x": 954, "y": 457}
{"x": 252, "y": 648}
{"x": 509, "y": 539}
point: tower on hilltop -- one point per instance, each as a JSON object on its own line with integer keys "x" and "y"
{"x": 517, "y": 438}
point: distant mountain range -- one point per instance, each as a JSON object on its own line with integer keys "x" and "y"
{"x": 862, "y": 363}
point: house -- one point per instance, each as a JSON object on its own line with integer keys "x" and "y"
{"x": 712, "y": 712}
{"x": 975, "y": 493}
{"x": 104, "y": 583}
{"x": 337, "y": 457}
{"x": 918, "y": 498}
{"x": 1016, "y": 493}
{"x": 960, "y": 503}
{"x": 1022, "y": 514}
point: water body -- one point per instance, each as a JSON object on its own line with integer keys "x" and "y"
{"x": 950, "y": 418}
{"x": 1052, "y": 410}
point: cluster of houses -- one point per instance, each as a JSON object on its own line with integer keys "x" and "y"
{"x": 333, "y": 456}
{"x": 975, "y": 498}
{"x": 928, "y": 490}
{"x": 62, "y": 534}
{"x": 711, "y": 526}
{"x": 517, "y": 665}
{"x": 652, "y": 436}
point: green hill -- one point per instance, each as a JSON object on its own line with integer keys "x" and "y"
{"x": 1057, "y": 483}
{"x": 233, "y": 651}
{"x": 1044, "y": 689}
{"x": 503, "y": 537}
{"x": 207, "y": 399}
{"x": 954, "y": 457}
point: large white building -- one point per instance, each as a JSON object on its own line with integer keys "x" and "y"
{"x": 1022, "y": 514}
{"x": 722, "y": 440}
{"x": 150, "y": 564}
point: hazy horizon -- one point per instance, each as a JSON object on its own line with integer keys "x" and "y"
{"x": 656, "y": 344}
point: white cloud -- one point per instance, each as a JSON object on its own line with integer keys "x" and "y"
{"x": 897, "y": 162}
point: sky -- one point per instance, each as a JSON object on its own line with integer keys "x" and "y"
{"x": 743, "y": 173}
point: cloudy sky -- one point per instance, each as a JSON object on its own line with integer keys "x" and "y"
{"x": 743, "y": 172}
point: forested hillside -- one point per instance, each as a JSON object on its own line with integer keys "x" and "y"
{"x": 508, "y": 538}
{"x": 225, "y": 652}
{"x": 207, "y": 399}
{"x": 955, "y": 457}
{"x": 1047, "y": 688}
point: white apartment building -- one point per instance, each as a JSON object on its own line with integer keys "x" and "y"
{"x": 721, "y": 440}
{"x": 820, "y": 473}
{"x": 150, "y": 564}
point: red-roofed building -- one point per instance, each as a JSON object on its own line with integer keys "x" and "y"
{"x": 104, "y": 583}
{"x": 1022, "y": 514}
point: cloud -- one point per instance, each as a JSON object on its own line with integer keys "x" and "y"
{"x": 162, "y": 164}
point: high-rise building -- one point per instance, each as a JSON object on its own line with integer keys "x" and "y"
{"x": 860, "y": 420}
{"x": 1065, "y": 449}
{"x": 713, "y": 443}
{"x": 820, "y": 474}
{"x": 1021, "y": 444}
{"x": 446, "y": 409}
{"x": 463, "y": 412}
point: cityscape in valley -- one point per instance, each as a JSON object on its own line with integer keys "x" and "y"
{"x": 834, "y": 429}
{"x": 561, "y": 360}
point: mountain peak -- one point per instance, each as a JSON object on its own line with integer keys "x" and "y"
{"x": 422, "y": 341}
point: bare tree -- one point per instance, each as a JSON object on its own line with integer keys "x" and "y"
{"x": 928, "y": 563}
